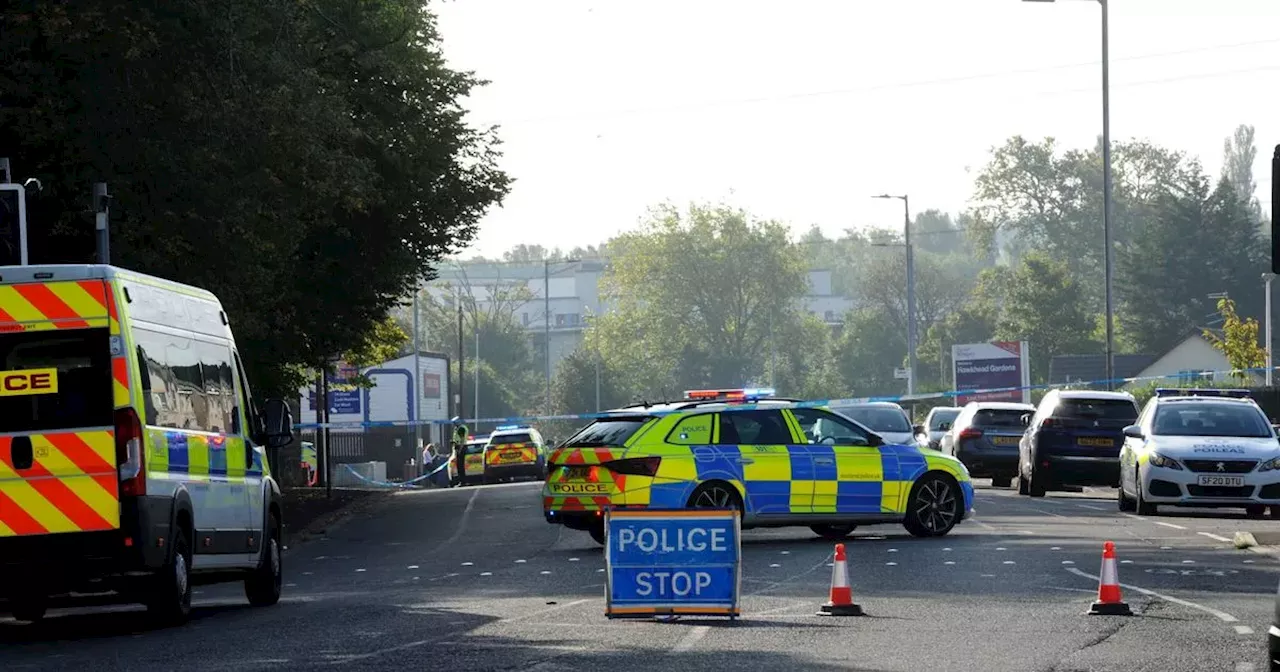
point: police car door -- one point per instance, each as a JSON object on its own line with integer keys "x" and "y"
{"x": 760, "y": 441}
{"x": 843, "y": 457}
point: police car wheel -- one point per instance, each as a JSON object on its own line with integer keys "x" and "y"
{"x": 1122, "y": 500}
{"x": 715, "y": 495}
{"x": 934, "y": 506}
{"x": 833, "y": 532}
{"x": 1139, "y": 504}
{"x": 263, "y": 586}
{"x": 170, "y": 598}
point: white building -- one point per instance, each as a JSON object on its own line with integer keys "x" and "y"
{"x": 566, "y": 295}
{"x": 1188, "y": 363}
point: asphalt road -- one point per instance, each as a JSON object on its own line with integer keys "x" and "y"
{"x": 473, "y": 579}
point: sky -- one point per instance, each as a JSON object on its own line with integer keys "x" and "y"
{"x": 800, "y": 111}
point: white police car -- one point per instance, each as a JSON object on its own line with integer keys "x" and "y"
{"x": 1203, "y": 448}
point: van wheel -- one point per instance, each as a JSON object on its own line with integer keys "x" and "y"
{"x": 170, "y": 600}
{"x": 263, "y": 586}
{"x": 30, "y": 609}
{"x": 833, "y": 532}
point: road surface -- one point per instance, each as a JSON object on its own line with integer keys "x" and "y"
{"x": 473, "y": 579}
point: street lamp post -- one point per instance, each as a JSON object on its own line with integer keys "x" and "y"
{"x": 1267, "y": 278}
{"x": 546, "y": 320}
{"x": 1106, "y": 193}
{"x": 911, "y": 292}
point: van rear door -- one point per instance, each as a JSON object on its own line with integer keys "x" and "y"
{"x": 58, "y": 394}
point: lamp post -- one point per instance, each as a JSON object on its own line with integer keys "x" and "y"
{"x": 911, "y": 292}
{"x": 1106, "y": 192}
{"x": 546, "y": 320}
{"x": 1267, "y": 278}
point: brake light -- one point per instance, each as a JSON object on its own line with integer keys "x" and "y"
{"x": 636, "y": 466}
{"x": 1050, "y": 422}
{"x": 970, "y": 433}
{"x": 129, "y": 454}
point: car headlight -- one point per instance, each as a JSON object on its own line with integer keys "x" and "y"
{"x": 1270, "y": 465}
{"x": 1158, "y": 460}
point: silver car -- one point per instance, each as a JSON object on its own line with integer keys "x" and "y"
{"x": 937, "y": 422}
{"x": 886, "y": 419}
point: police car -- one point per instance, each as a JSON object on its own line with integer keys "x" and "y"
{"x": 514, "y": 451}
{"x": 473, "y": 460}
{"x": 1203, "y": 448}
{"x": 779, "y": 463}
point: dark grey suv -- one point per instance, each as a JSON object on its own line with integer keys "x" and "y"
{"x": 985, "y": 438}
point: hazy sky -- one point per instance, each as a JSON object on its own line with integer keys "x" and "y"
{"x": 801, "y": 110}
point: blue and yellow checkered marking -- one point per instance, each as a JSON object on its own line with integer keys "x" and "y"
{"x": 215, "y": 457}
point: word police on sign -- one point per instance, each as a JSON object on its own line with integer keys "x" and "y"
{"x": 672, "y": 562}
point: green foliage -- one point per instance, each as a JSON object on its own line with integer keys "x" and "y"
{"x": 1238, "y": 341}
{"x": 308, "y": 162}
{"x": 695, "y": 295}
{"x": 866, "y": 355}
{"x": 573, "y": 389}
{"x": 1044, "y": 306}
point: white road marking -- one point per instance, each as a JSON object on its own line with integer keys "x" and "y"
{"x": 949, "y": 562}
{"x": 521, "y": 561}
{"x": 290, "y": 585}
{"x": 1001, "y": 548}
{"x": 573, "y": 559}
{"x": 1094, "y": 508}
{"x": 309, "y": 573}
{"x": 688, "y": 641}
{"x": 1055, "y": 548}
{"x": 1010, "y": 562}
{"x": 486, "y": 573}
{"x": 1068, "y": 562}
{"x": 1248, "y": 562}
{"x": 1161, "y": 522}
{"x": 831, "y": 564}
{"x": 362, "y": 569}
{"x": 1188, "y": 562}
{"x": 1073, "y": 590}
{"x": 946, "y": 550}
{"x": 1166, "y": 548}
{"x": 1243, "y": 629}
{"x": 1220, "y": 615}
{"x": 411, "y": 567}
{"x": 786, "y": 552}
{"x": 983, "y": 525}
{"x": 987, "y": 576}
{"x": 893, "y": 550}
{"x": 1214, "y": 537}
{"x": 1126, "y": 562}
{"x": 544, "y": 572}
{"x": 600, "y": 571}
{"x": 468, "y": 564}
{"x": 775, "y": 565}
{"x": 1047, "y": 513}
{"x": 891, "y": 564}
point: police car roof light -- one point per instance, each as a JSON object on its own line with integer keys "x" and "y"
{"x": 742, "y": 394}
{"x": 1179, "y": 392}
{"x": 503, "y": 428}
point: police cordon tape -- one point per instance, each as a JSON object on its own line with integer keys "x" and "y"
{"x": 518, "y": 420}
{"x": 403, "y": 485}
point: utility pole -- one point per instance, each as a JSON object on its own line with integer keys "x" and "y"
{"x": 417, "y": 376}
{"x": 323, "y": 403}
{"x": 546, "y": 325}
{"x": 475, "y": 389}
{"x": 911, "y": 293}
{"x": 462, "y": 364}
{"x": 1268, "y": 277}
{"x": 101, "y": 218}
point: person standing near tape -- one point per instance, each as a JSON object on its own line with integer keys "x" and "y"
{"x": 460, "y": 449}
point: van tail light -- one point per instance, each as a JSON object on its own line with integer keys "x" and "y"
{"x": 129, "y": 453}
{"x": 636, "y": 466}
{"x": 970, "y": 433}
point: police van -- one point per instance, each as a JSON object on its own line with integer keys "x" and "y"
{"x": 131, "y": 448}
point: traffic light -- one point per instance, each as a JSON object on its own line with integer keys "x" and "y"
{"x": 13, "y": 224}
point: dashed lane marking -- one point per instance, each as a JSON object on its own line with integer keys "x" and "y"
{"x": 544, "y": 572}
{"x": 573, "y": 559}
{"x": 1248, "y": 562}
{"x": 1214, "y": 537}
{"x": 1220, "y": 615}
{"x": 775, "y": 565}
{"x": 949, "y": 562}
{"x": 468, "y": 564}
{"x": 891, "y": 564}
{"x": 692, "y": 638}
{"x": 411, "y": 567}
{"x": 1001, "y": 548}
{"x": 1166, "y": 548}
{"x": 1055, "y": 548}
{"x": 893, "y": 550}
{"x": 946, "y": 550}
{"x": 1094, "y": 508}
{"x": 1068, "y": 562}
{"x": 362, "y": 569}
{"x": 785, "y": 552}
{"x": 486, "y": 573}
{"x": 1010, "y": 562}
{"x": 1171, "y": 525}
{"x": 1243, "y": 629}
{"x": 1126, "y": 562}
{"x": 1188, "y": 562}
{"x": 521, "y": 561}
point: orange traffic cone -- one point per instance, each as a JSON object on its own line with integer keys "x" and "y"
{"x": 1109, "y": 601}
{"x": 841, "y": 598}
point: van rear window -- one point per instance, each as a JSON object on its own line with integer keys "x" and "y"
{"x": 83, "y": 396}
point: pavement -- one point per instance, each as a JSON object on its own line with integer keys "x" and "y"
{"x": 474, "y": 579}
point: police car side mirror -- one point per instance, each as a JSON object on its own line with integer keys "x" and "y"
{"x": 1133, "y": 432}
{"x": 874, "y": 440}
{"x": 279, "y": 423}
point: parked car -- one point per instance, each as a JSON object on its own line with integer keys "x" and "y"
{"x": 1074, "y": 439}
{"x": 937, "y": 422}
{"x": 886, "y": 419}
{"x": 985, "y": 438}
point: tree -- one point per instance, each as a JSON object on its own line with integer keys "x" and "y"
{"x": 1044, "y": 306}
{"x": 573, "y": 389}
{"x": 1238, "y": 155}
{"x": 1238, "y": 340}
{"x": 866, "y": 354}
{"x": 694, "y": 294}
{"x": 934, "y": 231}
{"x": 308, "y": 162}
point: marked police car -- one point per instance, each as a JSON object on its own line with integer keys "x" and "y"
{"x": 1203, "y": 448}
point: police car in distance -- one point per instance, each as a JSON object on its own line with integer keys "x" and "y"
{"x": 514, "y": 451}
{"x": 473, "y": 460}
{"x": 1204, "y": 448}
{"x": 779, "y": 463}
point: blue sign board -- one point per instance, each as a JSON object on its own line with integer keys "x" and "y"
{"x": 341, "y": 402}
{"x": 660, "y": 562}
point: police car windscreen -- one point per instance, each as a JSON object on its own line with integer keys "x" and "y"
{"x": 606, "y": 432}
{"x": 508, "y": 439}
{"x": 1209, "y": 419}
{"x": 879, "y": 419}
{"x": 58, "y": 379}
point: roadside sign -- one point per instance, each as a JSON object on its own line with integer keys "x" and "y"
{"x": 901, "y": 374}
{"x": 672, "y": 562}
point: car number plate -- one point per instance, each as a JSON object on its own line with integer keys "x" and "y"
{"x": 511, "y": 455}
{"x": 1005, "y": 440}
{"x": 1090, "y": 441}
{"x": 1221, "y": 481}
{"x": 578, "y": 472}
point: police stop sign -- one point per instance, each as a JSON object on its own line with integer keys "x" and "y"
{"x": 672, "y": 562}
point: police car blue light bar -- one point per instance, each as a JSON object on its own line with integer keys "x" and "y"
{"x": 1178, "y": 392}
{"x": 503, "y": 428}
{"x": 741, "y": 394}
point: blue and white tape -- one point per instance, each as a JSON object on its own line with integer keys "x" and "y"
{"x": 799, "y": 404}
{"x": 410, "y": 484}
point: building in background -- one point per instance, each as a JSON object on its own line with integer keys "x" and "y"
{"x": 574, "y": 297}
